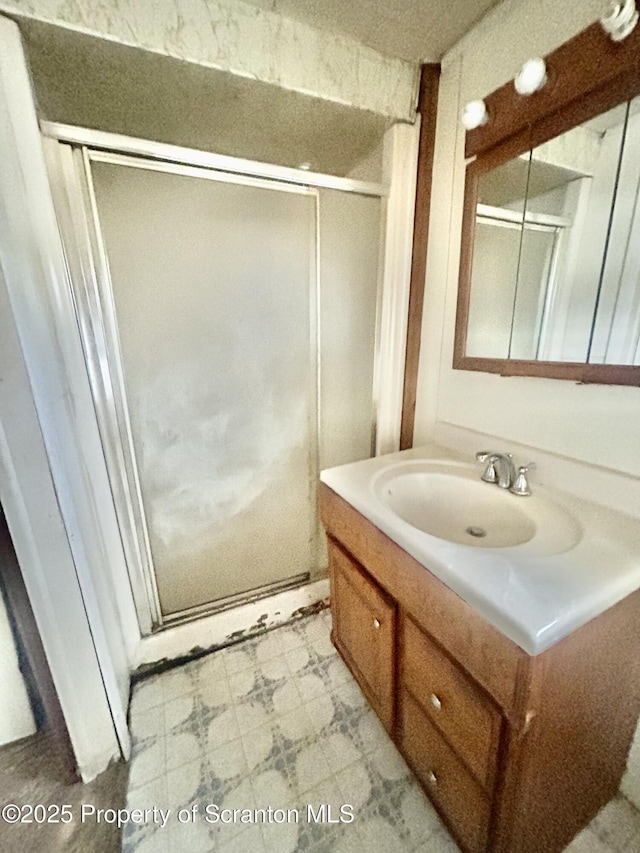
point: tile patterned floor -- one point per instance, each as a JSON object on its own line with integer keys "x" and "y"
{"x": 279, "y": 722}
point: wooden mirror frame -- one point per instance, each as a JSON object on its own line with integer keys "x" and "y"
{"x": 587, "y": 76}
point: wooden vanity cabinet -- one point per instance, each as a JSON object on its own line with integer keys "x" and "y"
{"x": 364, "y": 632}
{"x": 517, "y": 753}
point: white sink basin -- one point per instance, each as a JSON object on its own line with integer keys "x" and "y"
{"x": 548, "y": 564}
{"x": 450, "y": 502}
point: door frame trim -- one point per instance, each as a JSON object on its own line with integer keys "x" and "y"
{"x": 162, "y": 151}
{"x": 13, "y": 586}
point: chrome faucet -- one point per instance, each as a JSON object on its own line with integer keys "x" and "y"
{"x": 502, "y": 471}
{"x": 500, "y": 468}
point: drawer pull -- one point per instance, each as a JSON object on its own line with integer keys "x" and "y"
{"x": 376, "y": 624}
{"x": 432, "y": 779}
{"x": 435, "y": 702}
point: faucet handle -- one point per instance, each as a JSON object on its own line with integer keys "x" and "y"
{"x": 521, "y": 483}
{"x": 490, "y": 457}
{"x": 490, "y": 474}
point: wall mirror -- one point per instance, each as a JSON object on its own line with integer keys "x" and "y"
{"x": 550, "y": 264}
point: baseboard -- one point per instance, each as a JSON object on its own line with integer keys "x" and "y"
{"x": 229, "y": 626}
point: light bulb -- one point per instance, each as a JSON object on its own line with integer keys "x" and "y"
{"x": 474, "y": 115}
{"x": 532, "y": 77}
{"x": 621, "y": 19}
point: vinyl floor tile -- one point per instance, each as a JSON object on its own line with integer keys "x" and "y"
{"x": 278, "y": 723}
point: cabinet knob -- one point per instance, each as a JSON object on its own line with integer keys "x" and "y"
{"x": 432, "y": 778}
{"x": 435, "y": 702}
{"x": 376, "y": 623}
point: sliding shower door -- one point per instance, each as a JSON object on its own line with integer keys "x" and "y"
{"x": 212, "y": 283}
{"x": 348, "y": 260}
{"x": 228, "y": 320}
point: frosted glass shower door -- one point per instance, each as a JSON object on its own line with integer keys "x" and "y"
{"x": 349, "y": 249}
{"x": 212, "y": 284}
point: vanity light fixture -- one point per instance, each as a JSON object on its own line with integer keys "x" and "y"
{"x": 474, "y": 115}
{"x": 532, "y": 77}
{"x": 621, "y": 19}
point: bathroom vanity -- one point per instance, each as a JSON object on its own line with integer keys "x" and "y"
{"x": 517, "y": 749}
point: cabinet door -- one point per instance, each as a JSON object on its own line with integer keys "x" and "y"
{"x": 364, "y": 618}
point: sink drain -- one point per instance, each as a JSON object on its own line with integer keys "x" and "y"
{"x": 478, "y": 532}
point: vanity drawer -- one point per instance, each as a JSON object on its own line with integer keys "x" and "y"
{"x": 456, "y": 706}
{"x": 456, "y": 794}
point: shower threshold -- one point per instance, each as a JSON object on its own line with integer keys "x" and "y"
{"x": 248, "y": 597}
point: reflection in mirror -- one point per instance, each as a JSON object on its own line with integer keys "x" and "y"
{"x": 583, "y": 199}
{"x": 556, "y": 255}
{"x": 616, "y": 329}
{"x": 501, "y": 199}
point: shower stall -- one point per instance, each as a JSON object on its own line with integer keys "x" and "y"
{"x": 228, "y": 315}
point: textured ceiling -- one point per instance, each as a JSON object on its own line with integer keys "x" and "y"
{"x": 415, "y": 30}
{"x": 95, "y": 83}
{"x": 91, "y": 82}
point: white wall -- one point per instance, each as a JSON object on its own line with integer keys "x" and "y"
{"x": 400, "y": 157}
{"x": 16, "y": 716}
{"x": 585, "y": 437}
{"x": 52, "y": 487}
{"x": 40, "y": 540}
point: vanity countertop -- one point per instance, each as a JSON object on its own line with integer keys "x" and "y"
{"x": 533, "y": 598}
